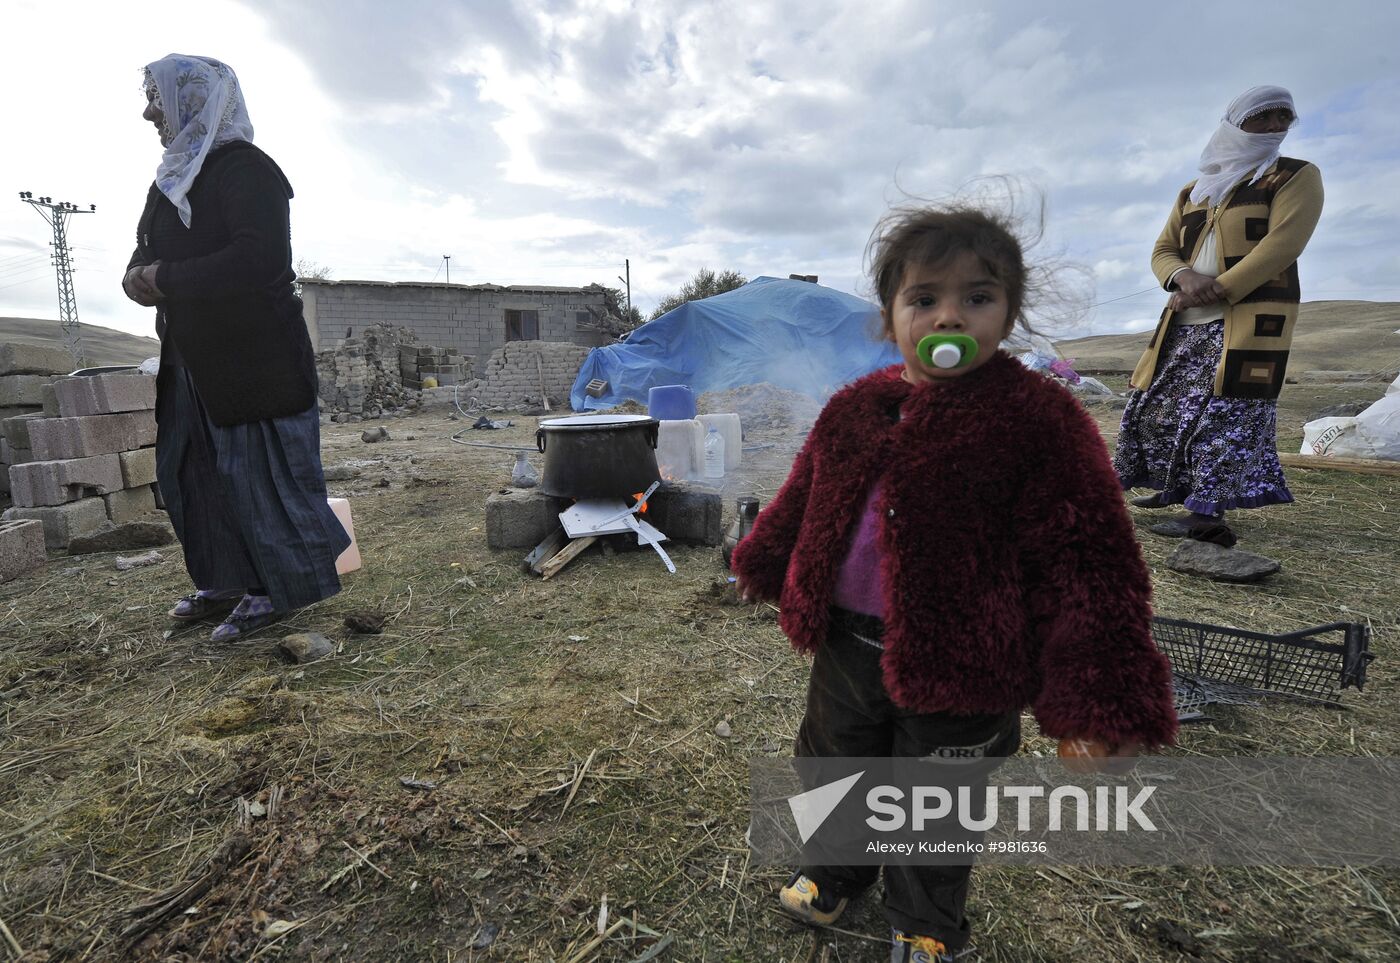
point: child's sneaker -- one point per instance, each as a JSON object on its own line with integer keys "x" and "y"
{"x": 801, "y": 898}
{"x": 908, "y": 948}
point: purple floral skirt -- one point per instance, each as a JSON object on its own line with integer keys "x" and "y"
{"x": 1207, "y": 453}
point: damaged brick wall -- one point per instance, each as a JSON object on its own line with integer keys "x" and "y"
{"x": 521, "y": 373}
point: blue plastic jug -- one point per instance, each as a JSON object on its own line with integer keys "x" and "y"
{"x": 671, "y": 402}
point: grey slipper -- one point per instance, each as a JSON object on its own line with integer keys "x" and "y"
{"x": 196, "y": 608}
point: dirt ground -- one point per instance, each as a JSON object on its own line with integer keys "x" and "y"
{"x": 474, "y": 781}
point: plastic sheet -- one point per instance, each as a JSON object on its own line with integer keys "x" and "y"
{"x": 794, "y": 334}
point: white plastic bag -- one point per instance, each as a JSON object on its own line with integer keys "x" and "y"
{"x": 1374, "y": 433}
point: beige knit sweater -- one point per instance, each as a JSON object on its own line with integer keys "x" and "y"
{"x": 1261, "y": 229}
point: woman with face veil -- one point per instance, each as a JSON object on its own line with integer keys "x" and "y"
{"x": 1200, "y": 428}
{"x": 238, "y": 446}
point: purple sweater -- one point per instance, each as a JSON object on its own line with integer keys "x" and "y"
{"x": 859, "y": 587}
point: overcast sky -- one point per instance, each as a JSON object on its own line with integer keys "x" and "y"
{"x": 545, "y": 142}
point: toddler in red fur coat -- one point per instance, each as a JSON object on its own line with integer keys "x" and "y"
{"x": 952, "y": 546}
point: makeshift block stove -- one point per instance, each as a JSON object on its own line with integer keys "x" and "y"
{"x": 602, "y": 462}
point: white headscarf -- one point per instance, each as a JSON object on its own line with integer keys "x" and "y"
{"x": 203, "y": 108}
{"x": 1231, "y": 153}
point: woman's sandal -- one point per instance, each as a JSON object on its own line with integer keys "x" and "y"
{"x": 240, "y": 623}
{"x": 197, "y": 608}
{"x": 1153, "y": 500}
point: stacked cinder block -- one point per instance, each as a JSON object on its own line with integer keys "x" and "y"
{"x": 92, "y": 464}
{"x": 26, "y": 371}
{"x": 418, "y": 362}
{"x": 522, "y": 373}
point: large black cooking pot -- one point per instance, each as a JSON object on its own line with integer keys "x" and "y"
{"x": 598, "y": 456}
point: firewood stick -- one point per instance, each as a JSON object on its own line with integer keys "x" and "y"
{"x": 1365, "y": 466}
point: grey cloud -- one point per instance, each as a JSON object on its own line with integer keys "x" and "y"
{"x": 367, "y": 51}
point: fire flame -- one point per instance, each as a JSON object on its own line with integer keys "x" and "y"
{"x": 637, "y": 496}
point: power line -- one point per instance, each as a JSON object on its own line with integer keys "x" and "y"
{"x": 29, "y": 280}
{"x": 57, "y": 216}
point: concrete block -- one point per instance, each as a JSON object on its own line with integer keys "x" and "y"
{"x": 138, "y": 467}
{"x": 22, "y": 389}
{"x": 14, "y": 411}
{"x": 38, "y": 483}
{"x": 129, "y": 504}
{"x": 16, "y": 358}
{"x": 21, "y": 548}
{"x": 50, "y": 400}
{"x": 521, "y": 518}
{"x": 88, "y": 435}
{"x": 14, "y": 456}
{"x": 16, "y": 429}
{"x": 63, "y": 522}
{"x": 687, "y": 515}
{"x": 105, "y": 394}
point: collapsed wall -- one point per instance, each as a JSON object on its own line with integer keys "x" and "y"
{"x": 521, "y": 374}
{"x": 381, "y": 374}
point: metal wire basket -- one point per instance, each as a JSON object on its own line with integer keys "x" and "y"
{"x": 1214, "y": 664}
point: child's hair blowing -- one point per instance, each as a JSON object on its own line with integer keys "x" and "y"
{"x": 987, "y": 225}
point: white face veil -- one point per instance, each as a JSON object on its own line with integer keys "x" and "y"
{"x": 203, "y": 109}
{"x": 1233, "y": 154}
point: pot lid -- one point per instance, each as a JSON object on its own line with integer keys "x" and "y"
{"x": 596, "y": 421}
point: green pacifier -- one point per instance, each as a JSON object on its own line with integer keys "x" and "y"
{"x": 947, "y": 350}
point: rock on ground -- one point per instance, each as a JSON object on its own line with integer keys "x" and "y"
{"x": 122, "y": 538}
{"x": 306, "y": 646}
{"x": 1219, "y": 564}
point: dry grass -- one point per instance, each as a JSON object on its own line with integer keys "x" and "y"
{"x": 567, "y": 730}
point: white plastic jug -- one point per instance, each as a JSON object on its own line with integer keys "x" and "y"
{"x": 680, "y": 449}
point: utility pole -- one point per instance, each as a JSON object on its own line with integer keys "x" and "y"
{"x": 57, "y": 214}
{"x": 447, "y": 260}
{"x": 627, "y": 266}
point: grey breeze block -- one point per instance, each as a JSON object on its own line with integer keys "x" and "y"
{"x": 16, "y": 429}
{"x": 105, "y": 394}
{"x": 138, "y": 467}
{"x": 129, "y": 504}
{"x": 21, "y": 547}
{"x": 22, "y": 389}
{"x": 81, "y": 437}
{"x": 17, "y": 358}
{"x": 38, "y": 483}
{"x": 63, "y": 522}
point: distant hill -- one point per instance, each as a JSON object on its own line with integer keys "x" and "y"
{"x": 1330, "y": 336}
{"x": 100, "y": 345}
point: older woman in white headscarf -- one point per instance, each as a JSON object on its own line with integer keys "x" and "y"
{"x": 1200, "y": 428}
{"x": 238, "y": 448}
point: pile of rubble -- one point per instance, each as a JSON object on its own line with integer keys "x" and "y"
{"x": 360, "y": 377}
{"x": 762, "y": 407}
{"x": 83, "y": 465}
{"x": 521, "y": 374}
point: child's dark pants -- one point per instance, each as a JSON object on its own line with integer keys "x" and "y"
{"x": 849, "y": 713}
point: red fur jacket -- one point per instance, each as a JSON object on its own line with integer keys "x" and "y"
{"x": 1011, "y": 571}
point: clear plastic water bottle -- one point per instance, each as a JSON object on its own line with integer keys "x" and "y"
{"x": 714, "y": 454}
{"x": 523, "y": 475}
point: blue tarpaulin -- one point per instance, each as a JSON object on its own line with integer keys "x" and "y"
{"x": 793, "y": 334}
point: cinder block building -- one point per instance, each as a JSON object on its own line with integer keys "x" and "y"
{"x": 476, "y": 319}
